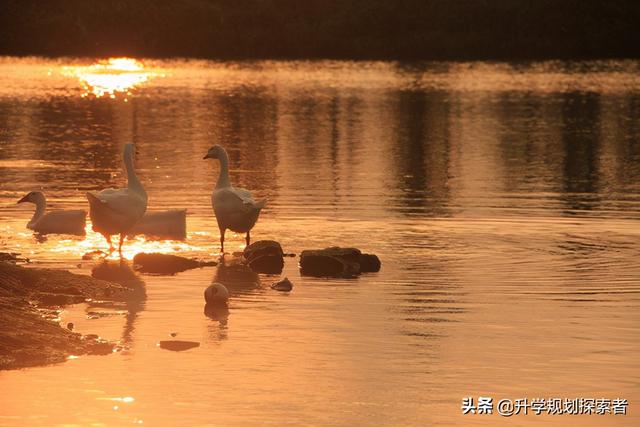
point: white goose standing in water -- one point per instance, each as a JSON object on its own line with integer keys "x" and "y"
{"x": 115, "y": 211}
{"x": 234, "y": 207}
{"x": 54, "y": 222}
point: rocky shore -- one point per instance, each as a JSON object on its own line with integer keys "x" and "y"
{"x": 29, "y": 300}
{"x": 32, "y": 298}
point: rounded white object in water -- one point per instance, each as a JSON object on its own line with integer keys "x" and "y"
{"x": 217, "y": 293}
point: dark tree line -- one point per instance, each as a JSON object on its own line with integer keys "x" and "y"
{"x": 360, "y": 29}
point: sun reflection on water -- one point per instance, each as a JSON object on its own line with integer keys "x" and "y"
{"x": 132, "y": 245}
{"x": 112, "y": 77}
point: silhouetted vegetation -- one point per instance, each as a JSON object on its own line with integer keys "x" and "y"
{"x": 362, "y": 29}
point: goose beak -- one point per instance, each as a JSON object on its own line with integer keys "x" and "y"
{"x": 206, "y": 156}
{"x": 23, "y": 200}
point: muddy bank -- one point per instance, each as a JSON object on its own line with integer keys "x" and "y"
{"x": 27, "y": 295}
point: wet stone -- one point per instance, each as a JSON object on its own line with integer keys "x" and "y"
{"x": 177, "y": 345}
{"x": 265, "y": 256}
{"x": 262, "y": 247}
{"x": 337, "y": 262}
{"x": 283, "y": 285}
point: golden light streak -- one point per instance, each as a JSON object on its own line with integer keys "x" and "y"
{"x": 132, "y": 246}
{"x": 111, "y": 78}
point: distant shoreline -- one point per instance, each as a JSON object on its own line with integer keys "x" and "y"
{"x": 360, "y": 30}
{"x": 409, "y": 60}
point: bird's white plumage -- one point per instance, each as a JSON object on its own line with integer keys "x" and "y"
{"x": 235, "y": 210}
{"x": 234, "y": 207}
{"x": 123, "y": 201}
{"x": 54, "y": 222}
{"x": 116, "y": 211}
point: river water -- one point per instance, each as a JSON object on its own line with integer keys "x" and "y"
{"x": 503, "y": 200}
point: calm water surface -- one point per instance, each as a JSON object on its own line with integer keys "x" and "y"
{"x": 503, "y": 200}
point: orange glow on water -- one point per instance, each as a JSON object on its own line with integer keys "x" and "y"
{"x": 113, "y": 77}
{"x": 132, "y": 246}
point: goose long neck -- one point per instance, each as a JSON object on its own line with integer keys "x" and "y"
{"x": 41, "y": 207}
{"x": 133, "y": 183}
{"x": 223, "y": 178}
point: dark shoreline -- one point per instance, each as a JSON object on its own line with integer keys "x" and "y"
{"x": 404, "y": 30}
{"x": 498, "y": 60}
{"x": 28, "y": 337}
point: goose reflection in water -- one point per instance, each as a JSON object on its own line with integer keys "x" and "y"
{"x": 120, "y": 272}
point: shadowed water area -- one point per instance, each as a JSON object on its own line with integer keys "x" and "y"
{"x": 503, "y": 200}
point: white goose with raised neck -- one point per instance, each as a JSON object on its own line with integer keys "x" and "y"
{"x": 133, "y": 183}
{"x": 223, "y": 178}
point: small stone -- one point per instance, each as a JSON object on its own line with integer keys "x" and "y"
{"x": 283, "y": 285}
{"x": 173, "y": 334}
{"x": 175, "y": 345}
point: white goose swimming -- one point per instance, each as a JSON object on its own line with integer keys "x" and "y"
{"x": 234, "y": 207}
{"x": 54, "y": 222}
{"x": 115, "y": 211}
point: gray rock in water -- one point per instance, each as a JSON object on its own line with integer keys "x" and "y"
{"x": 265, "y": 256}
{"x": 283, "y": 285}
{"x": 166, "y": 264}
{"x": 337, "y": 262}
{"x": 216, "y": 293}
